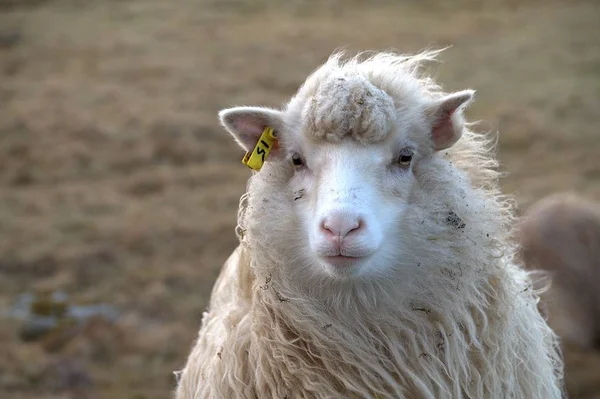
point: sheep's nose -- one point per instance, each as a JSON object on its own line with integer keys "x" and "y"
{"x": 338, "y": 225}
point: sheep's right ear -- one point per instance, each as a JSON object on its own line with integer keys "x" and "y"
{"x": 446, "y": 118}
{"x": 246, "y": 124}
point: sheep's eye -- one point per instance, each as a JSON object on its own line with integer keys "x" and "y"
{"x": 405, "y": 157}
{"x": 297, "y": 161}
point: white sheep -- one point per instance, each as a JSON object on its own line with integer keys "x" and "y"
{"x": 375, "y": 256}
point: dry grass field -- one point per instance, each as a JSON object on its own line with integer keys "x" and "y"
{"x": 117, "y": 185}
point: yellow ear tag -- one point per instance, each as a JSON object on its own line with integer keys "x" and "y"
{"x": 256, "y": 158}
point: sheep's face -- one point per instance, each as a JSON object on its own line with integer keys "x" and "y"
{"x": 354, "y": 158}
{"x": 350, "y": 198}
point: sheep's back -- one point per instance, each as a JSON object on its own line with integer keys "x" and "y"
{"x": 561, "y": 235}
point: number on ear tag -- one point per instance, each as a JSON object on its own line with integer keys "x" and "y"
{"x": 258, "y": 156}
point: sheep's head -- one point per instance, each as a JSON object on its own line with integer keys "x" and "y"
{"x": 356, "y": 150}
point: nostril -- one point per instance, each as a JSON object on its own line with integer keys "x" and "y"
{"x": 355, "y": 227}
{"x": 327, "y": 228}
{"x": 359, "y": 225}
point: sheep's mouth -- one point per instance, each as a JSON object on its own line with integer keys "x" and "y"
{"x": 342, "y": 260}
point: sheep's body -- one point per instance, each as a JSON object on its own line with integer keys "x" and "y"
{"x": 454, "y": 318}
{"x": 561, "y": 235}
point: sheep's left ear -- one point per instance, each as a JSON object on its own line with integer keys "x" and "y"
{"x": 447, "y": 122}
{"x": 246, "y": 124}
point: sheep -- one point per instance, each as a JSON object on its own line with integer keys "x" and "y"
{"x": 560, "y": 234}
{"x": 375, "y": 255}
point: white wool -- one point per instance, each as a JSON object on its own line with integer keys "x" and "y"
{"x": 349, "y": 105}
{"x": 455, "y": 317}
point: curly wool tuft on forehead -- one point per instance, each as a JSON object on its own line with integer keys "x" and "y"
{"x": 348, "y": 104}
{"x": 361, "y": 96}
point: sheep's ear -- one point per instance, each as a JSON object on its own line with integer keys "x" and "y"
{"x": 246, "y": 124}
{"x": 446, "y": 118}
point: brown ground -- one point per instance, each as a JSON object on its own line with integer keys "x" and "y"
{"x": 118, "y": 186}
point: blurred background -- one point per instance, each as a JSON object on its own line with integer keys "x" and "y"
{"x": 119, "y": 190}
